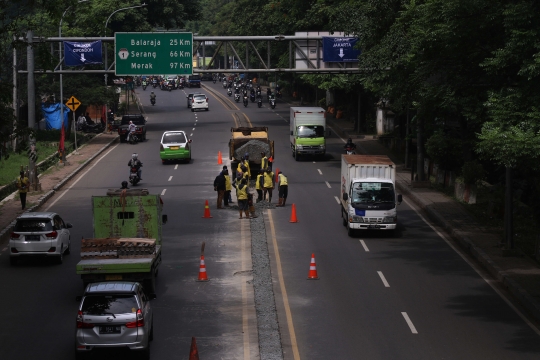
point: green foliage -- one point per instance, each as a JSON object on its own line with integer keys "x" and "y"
{"x": 472, "y": 172}
{"x": 445, "y": 150}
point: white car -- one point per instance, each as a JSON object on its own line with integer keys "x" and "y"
{"x": 40, "y": 234}
{"x": 199, "y": 101}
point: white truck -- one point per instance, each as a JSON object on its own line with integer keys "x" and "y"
{"x": 368, "y": 197}
{"x": 308, "y": 129}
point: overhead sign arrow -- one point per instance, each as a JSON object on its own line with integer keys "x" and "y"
{"x": 341, "y": 54}
{"x": 82, "y": 58}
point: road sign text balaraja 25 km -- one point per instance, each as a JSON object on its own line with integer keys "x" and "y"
{"x": 153, "y": 53}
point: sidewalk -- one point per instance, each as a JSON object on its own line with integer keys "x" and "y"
{"x": 520, "y": 275}
{"x": 51, "y": 181}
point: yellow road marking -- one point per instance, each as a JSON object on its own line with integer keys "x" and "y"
{"x": 245, "y": 324}
{"x": 288, "y": 314}
{"x": 247, "y": 119}
{"x": 235, "y": 120}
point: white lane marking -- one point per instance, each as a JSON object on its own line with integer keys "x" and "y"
{"x": 319, "y": 170}
{"x": 364, "y": 245}
{"x": 475, "y": 268}
{"x": 196, "y": 120}
{"x": 175, "y": 166}
{"x": 192, "y": 129}
{"x": 190, "y": 135}
{"x": 170, "y": 178}
{"x": 80, "y": 177}
{"x": 314, "y": 162}
{"x": 386, "y": 284}
{"x": 409, "y": 322}
{"x": 163, "y": 192}
{"x": 337, "y": 199}
{"x": 4, "y": 249}
{"x": 328, "y": 184}
{"x": 245, "y": 318}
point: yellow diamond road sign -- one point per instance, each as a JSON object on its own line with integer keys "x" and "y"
{"x": 73, "y": 103}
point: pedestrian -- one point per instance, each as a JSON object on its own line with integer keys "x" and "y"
{"x": 269, "y": 183}
{"x": 246, "y": 164}
{"x": 264, "y": 161}
{"x": 283, "y": 189}
{"x": 242, "y": 196}
{"x": 228, "y": 186}
{"x": 23, "y": 184}
{"x": 259, "y": 185}
{"x": 219, "y": 186}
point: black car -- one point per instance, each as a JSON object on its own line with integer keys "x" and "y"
{"x": 140, "y": 123}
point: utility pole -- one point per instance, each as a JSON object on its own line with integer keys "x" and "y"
{"x": 31, "y": 84}
{"x": 508, "y": 211}
{"x": 15, "y": 98}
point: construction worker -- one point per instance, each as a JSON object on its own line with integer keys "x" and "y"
{"x": 246, "y": 164}
{"x": 259, "y": 184}
{"x": 244, "y": 169}
{"x": 228, "y": 186}
{"x": 283, "y": 188}
{"x": 242, "y": 196}
{"x": 268, "y": 184}
{"x": 264, "y": 161}
{"x": 219, "y": 186}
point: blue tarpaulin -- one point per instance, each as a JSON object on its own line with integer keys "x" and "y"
{"x": 51, "y": 113}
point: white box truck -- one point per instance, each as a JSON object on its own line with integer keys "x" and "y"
{"x": 368, "y": 195}
{"x": 308, "y": 129}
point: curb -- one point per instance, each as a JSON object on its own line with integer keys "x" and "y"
{"x": 529, "y": 302}
{"x": 43, "y": 199}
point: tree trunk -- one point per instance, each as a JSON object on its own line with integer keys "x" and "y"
{"x": 419, "y": 149}
{"x": 508, "y": 210}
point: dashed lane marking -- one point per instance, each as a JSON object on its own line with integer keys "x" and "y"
{"x": 163, "y": 192}
{"x": 4, "y": 249}
{"x": 337, "y": 199}
{"x": 192, "y": 129}
{"x": 190, "y": 135}
{"x": 383, "y": 279}
{"x": 320, "y": 172}
{"x": 364, "y": 245}
{"x": 170, "y": 178}
{"x": 175, "y": 166}
{"x": 245, "y": 318}
{"x": 409, "y": 322}
{"x": 328, "y": 184}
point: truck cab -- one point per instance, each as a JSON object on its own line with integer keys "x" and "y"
{"x": 307, "y": 131}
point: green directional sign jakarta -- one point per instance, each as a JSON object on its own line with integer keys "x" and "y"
{"x": 150, "y": 53}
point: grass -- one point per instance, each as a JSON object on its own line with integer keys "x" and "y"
{"x": 10, "y": 168}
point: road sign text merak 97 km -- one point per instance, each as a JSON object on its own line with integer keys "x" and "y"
{"x": 148, "y": 53}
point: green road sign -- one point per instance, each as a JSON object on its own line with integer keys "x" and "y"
{"x": 150, "y": 53}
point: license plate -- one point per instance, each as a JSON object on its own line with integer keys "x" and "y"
{"x": 174, "y": 148}
{"x": 113, "y": 277}
{"x": 109, "y": 330}
{"x": 374, "y": 226}
{"x": 32, "y": 237}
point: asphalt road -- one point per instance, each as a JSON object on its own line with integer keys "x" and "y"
{"x": 408, "y": 297}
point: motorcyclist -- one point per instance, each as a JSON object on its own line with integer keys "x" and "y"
{"x": 268, "y": 93}
{"x": 152, "y": 96}
{"x": 144, "y": 83}
{"x": 350, "y": 145}
{"x": 136, "y": 163}
{"x": 131, "y": 130}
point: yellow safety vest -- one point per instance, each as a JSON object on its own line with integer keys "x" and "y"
{"x": 258, "y": 183}
{"x": 282, "y": 180}
{"x": 20, "y": 182}
{"x": 228, "y": 186}
{"x": 264, "y": 163}
{"x": 268, "y": 177}
{"x": 241, "y": 192}
{"x": 246, "y": 164}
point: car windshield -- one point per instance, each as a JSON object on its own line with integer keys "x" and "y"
{"x": 109, "y": 304}
{"x": 200, "y": 97}
{"x": 373, "y": 192}
{"x": 29, "y": 225}
{"x": 310, "y": 131}
{"x": 174, "y": 138}
{"x": 136, "y": 120}
{"x": 194, "y": 77}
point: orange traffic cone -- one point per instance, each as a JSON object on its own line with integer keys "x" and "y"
{"x": 277, "y": 175}
{"x": 313, "y": 269}
{"x": 206, "y": 211}
{"x": 193, "y": 352}
{"x": 202, "y": 271}
{"x": 219, "y": 160}
{"x": 293, "y": 214}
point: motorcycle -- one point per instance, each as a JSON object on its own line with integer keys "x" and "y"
{"x": 214, "y": 80}
{"x": 154, "y": 84}
{"x": 92, "y": 127}
{"x": 245, "y": 101}
{"x": 273, "y": 103}
{"x": 350, "y": 150}
{"x": 252, "y": 97}
{"x": 278, "y": 94}
{"x": 237, "y": 97}
{"x": 229, "y": 91}
{"x": 134, "y": 176}
{"x": 268, "y": 93}
{"x": 133, "y": 139}
{"x": 170, "y": 86}
{"x": 153, "y": 101}
{"x": 259, "y": 101}
{"x": 224, "y": 84}
{"x": 144, "y": 87}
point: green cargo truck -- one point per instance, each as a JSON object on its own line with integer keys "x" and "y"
{"x": 127, "y": 238}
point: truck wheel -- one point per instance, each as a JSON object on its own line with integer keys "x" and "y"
{"x": 350, "y": 232}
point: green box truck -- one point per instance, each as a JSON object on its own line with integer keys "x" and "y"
{"x": 308, "y": 128}
{"x": 127, "y": 238}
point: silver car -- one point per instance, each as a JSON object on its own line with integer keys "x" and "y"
{"x": 40, "y": 234}
{"x": 114, "y": 314}
{"x": 199, "y": 101}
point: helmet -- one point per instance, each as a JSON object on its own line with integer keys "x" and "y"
{"x": 151, "y": 92}
{"x": 134, "y": 156}
{"x": 130, "y": 122}
{"x": 349, "y": 140}
{"x": 246, "y": 155}
{"x": 263, "y": 153}
{"x": 124, "y": 184}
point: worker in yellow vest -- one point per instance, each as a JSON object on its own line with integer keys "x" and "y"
{"x": 228, "y": 187}
{"x": 242, "y": 195}
{"x": 264, "y": 161}
{"x": 259, "y": 185}
{"x": 283, "y": 189}
{"x": 268, "y": 184}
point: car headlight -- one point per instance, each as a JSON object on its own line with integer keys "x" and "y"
{"x": 322, "y": 146}
{"x": 354, "y": 218}
{"x": 390, "y": 219}
{"x": 299, "y": 147}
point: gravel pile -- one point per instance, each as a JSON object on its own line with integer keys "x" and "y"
{"x": 253, "y": 148}
{"x": 265, "y": 305}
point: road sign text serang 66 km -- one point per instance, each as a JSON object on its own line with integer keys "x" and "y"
{"x": 147, "y": 53}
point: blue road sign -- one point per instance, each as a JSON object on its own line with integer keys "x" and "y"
{"x": 82, "y": 53}
{"x": 340, "y": 49}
